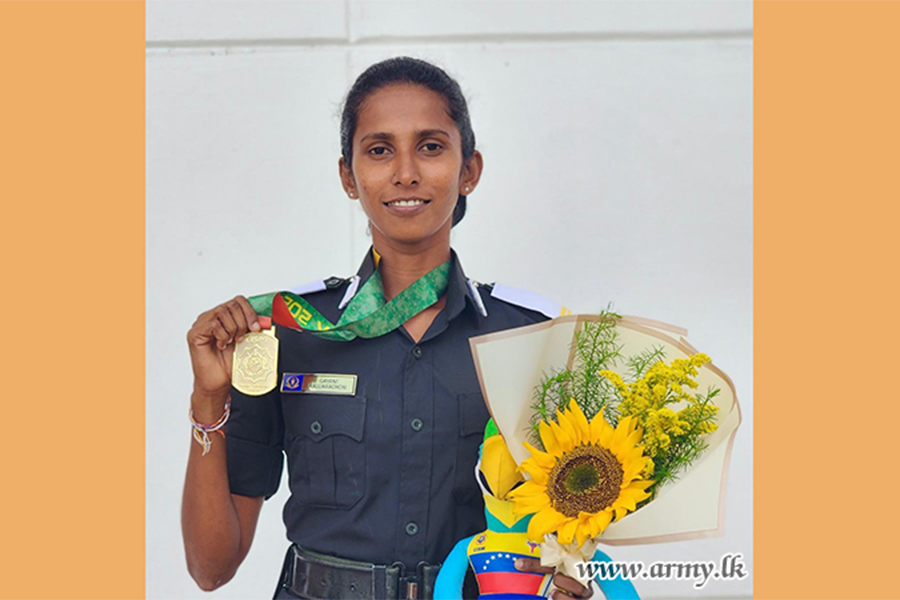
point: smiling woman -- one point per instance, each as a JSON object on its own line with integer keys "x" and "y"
{"x": 373, "y": 395}
{"x": 406, "y": 169}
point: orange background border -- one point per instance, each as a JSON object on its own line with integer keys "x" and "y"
{"x": 826, "y": 206}
{"x": 72, "y": 184}
{"x": 826, "y": 196}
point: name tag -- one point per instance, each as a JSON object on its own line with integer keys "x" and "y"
{"x": 319, "y": 383}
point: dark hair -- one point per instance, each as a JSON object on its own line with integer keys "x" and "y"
{"x": 404, "y": 69}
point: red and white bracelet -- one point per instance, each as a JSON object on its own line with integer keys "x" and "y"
{"x": 201, "y": 431}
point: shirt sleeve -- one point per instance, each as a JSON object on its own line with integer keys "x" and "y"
{"x": 254, "y": 438}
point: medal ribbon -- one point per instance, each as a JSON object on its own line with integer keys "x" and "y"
{"x": 367, "y": 315}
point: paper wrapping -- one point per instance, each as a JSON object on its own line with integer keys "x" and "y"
{"x": 511, "y": 363}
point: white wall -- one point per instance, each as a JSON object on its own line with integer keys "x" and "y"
{"x": 617, "y": 139}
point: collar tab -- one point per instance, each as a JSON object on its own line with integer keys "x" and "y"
{"x": 476, "y": 297}
{"x": 351, "y": 291}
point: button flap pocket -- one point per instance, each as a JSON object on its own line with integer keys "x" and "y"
{"x": 320, "y": 417}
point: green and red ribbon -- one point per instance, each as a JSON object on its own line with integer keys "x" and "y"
{"x": 368, "y": 314}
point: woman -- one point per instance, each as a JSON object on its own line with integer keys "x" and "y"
{"x": 381, "y": 472}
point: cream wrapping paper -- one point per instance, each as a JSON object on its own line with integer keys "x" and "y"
{"x": 565, "y": 557}
{"x": 511, "y": 363}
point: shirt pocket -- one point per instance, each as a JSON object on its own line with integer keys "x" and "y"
{"x": 473, "y": 415}
{"x": 326, "y": 450}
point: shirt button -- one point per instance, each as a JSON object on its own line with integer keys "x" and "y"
{"x": 412, "y": 528}
{"x": 315, "y": 427}
{"x": 417, "y": 352}
{"x": 417, "y": 424}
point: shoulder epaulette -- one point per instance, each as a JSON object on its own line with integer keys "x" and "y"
{"x": 318, "y": 285}
{"x": 528, "y": 299}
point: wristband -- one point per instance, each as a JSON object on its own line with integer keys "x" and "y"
{"x": 201, "y": 431}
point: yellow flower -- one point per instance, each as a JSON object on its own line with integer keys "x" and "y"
{"x": 659, "y": 392}
{"x": 589, "y": 475}
{"x": 615, "y": 379}
{"x": 661, "y": 425}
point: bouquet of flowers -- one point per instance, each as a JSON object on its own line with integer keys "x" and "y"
{"x": 625, "y": 438}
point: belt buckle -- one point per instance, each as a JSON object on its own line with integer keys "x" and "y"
{"x": 407, "y": 587}
{"x": 412, "y": 588}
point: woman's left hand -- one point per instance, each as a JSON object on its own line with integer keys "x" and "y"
{"x": 568, "y": 586}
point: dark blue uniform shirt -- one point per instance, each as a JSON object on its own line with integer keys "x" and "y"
{"x": 387, "y": 474}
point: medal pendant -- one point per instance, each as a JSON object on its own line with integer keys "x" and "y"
{"x": 254, "y": 368}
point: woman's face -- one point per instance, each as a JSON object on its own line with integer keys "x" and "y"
{"x": 408, "y": 168}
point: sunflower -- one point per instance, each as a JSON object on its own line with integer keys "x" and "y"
{"x": 589, "y": 474}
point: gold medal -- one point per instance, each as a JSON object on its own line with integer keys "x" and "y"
{"x": 254, "y": 368}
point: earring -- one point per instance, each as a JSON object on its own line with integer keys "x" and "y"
{"x": 352, "y": 194}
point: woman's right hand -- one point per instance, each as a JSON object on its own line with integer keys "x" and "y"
{"x": 211, "y": 342}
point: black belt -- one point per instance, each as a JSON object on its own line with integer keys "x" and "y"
{"x": 317, "y": 576}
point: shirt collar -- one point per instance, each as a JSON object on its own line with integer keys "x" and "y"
{"x": 458, "y": 291}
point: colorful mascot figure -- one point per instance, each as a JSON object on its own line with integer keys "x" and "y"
{"x": 492, "y": 553}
